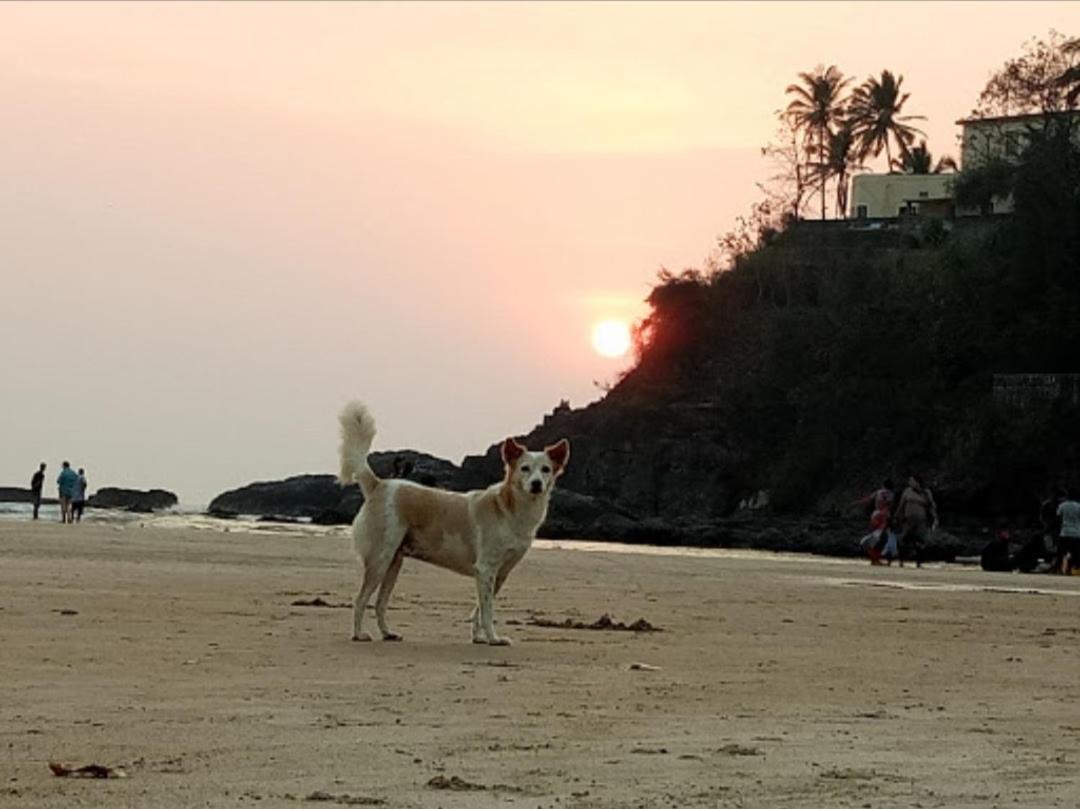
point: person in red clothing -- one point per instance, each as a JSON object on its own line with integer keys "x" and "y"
{"x": 882, "y": 502}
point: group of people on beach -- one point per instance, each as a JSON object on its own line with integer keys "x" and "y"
{"x": 900, "y": 523}
{"x": 71, "y": 491}
{"x": 1054, "y": 548}
{"x": 903, "y": 522}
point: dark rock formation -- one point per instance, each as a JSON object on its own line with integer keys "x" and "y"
{"x": 668, "y": 475}
{"x": 669, "y": 463}
{"x": 321, "y": 498}
{"x": 299, "y": 496}
{"x": 13, "y": 494}
{"x": 636, "y": 475}
{"x": 132, "y": 499}
{"x": 579, "y": 516}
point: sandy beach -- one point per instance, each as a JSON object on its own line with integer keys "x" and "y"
{"x": 178, "y": 654}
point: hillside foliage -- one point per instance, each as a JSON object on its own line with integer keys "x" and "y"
{"x": 838, "y": 356}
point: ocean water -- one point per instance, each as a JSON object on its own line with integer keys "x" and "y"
{"x": 178, "y": 517}
{"x": 191, "y": 517}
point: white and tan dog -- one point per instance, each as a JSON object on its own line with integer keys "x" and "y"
{"x": 482, "y": 534}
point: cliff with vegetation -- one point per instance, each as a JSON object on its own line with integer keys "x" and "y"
{"x": 829, "y": 358}
{"x": 825, "y": 357}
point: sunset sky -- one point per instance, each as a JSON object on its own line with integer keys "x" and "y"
{"x": 220, "y": 221}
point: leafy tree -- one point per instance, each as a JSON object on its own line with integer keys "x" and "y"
{"x": 751, "y": 232}
{"x": 791, "y": 180}
{"x": 919, "y": 160}
{"x": 876, "y": 116}
{"x": 1044, "y": 79}
{"x": 817, "y": 107}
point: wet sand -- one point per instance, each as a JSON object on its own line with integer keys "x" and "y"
{"x": 177, "y": 654}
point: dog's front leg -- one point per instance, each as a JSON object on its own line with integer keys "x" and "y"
{"x": 485, "y": 604}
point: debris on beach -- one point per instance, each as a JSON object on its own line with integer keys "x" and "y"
{"x": 454, "y": 783}
{"x": 318, "y": 601}
{"x": 734, "y": 749}
{"x": 642, "y": 667}
{"x": 604, "y": 622}
{"x": 319, "y": 796}
{"x": 85, "y": 771}
{"x": 457, "y": 784}
{"x": 847, "y": 774}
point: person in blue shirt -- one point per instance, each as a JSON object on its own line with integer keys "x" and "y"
{"x": 67, "y": 483}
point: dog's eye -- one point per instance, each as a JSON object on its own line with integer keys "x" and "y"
{"x": 524, "y": 469}
{"x": 546, "y": 470}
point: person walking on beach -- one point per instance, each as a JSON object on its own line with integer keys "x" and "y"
{"x": 36, "y": 484}
{"x": 882, "y": 501}
{"x": 66, "y": 483}
{"x": 78, "y": 502}
{"x": 1069, "y": 539}
{"x": 916, "y": 515}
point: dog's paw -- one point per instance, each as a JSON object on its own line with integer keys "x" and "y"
{"x": 499, "y": 642}
{"x": 392, "y": 636}
{"x": 479, "y": 639}
{"x": 363, "y": 637}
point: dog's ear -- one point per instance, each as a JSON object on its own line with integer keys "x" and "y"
{"x": 559, "y": 454}
{"x": 511, "y": 451}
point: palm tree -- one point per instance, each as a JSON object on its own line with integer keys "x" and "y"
{"x": 918, "y": 160}
{"x": 841, "y": 158}
{"x": 875, "y": 114}
{"x": 816, "y": 108}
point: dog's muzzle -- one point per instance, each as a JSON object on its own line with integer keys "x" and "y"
{"x": 536, "y": 487}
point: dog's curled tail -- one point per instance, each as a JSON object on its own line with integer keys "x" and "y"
{"x": 357, "y": 433}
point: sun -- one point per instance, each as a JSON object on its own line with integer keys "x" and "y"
{"x": 611, "y": 338}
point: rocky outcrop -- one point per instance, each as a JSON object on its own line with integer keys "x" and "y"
{"x": 638, "y": 474}
{"x": 13, "y": 494}
{"x": 132, "y": 499}
{"x": 644, "y": 473}
{"x": 673, "y": 463}
{"x": 579, "y": 516}
{"x": 299, "y": 496}
{"x": 321, "y": 498}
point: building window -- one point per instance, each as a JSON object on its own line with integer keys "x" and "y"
{"x": 924, "y": 194}
{"x": 861, "y": 212}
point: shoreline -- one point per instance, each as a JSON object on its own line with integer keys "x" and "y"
{"x": 183, "y": 517}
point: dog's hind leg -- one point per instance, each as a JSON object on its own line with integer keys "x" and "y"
{"x": 378, "y": 535}
{"x": 363, "y": 595}
{"x": 376, "y": 568}
{"x": 385, "y": 589}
